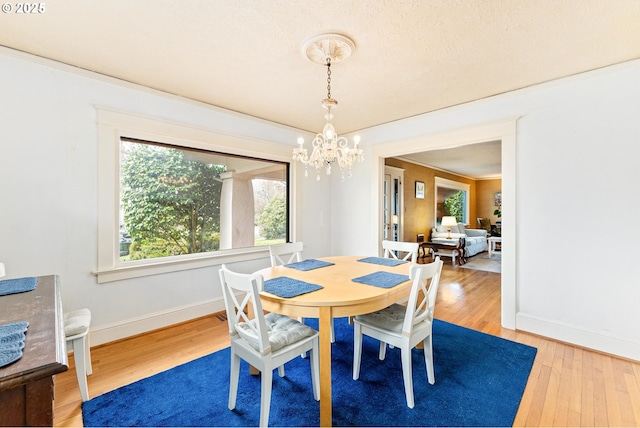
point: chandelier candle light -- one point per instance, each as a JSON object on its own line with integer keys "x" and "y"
{"x": 328, "y": 147}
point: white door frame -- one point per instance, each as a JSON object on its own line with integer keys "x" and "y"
{"x": 394, "y": 173}
{"x": 506, "y": 132}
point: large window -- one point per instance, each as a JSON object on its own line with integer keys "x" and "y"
{"x": 176, "y": 201}
{"x": 174, "y": 196}
{"x": 452, "y": 199}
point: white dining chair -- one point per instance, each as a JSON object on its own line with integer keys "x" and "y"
{"x": 404, "y": 326}
{"x": 76, "y": 330}
{"x": 280, "y": 252}
{"x": 392, "y": 249}
{"x": 267, "y": 341}
{"x": 294, "y": 252}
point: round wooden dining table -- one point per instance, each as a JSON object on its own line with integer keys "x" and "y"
{"x": 339, "y": 297}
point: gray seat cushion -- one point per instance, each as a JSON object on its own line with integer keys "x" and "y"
{"x": 282, "y": 331}
{"x": 77, "y": 322}
{"x": 390, "y": 318}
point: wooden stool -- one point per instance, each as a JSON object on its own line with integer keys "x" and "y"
{"x": 76, "y": 330}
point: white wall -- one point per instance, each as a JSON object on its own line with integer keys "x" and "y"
{"x": 49, "y": 191}
{"x": 578, "y": 147}
{"x": 577, "y": 168}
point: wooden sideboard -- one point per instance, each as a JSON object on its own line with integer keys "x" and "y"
{"x": 26, "y": 386}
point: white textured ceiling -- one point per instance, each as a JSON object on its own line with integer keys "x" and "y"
{"x": 411, "y": 57}
{"x": 480, "y": 161}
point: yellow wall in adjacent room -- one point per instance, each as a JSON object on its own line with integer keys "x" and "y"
{"x": 485, "y": 198}
{"x": 419, "y": 213}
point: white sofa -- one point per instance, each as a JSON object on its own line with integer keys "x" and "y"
{"x": 475, "y": 239}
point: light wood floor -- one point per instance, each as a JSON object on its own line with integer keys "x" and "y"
{"x": 568, "y": 386}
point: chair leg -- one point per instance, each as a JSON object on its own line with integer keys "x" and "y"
{"x": 304, "y": 354}
{"x": 383, "y": 351}
{"x": 357, "y": 350}
{"x": 234, "y": 377}
{"x": 87, "y": 355}
{"x": 406, "y": 374}
{"x": 81, "y": 369}
{"x": 265, "y": 396}
{"x": 314, "y": 360}
{"x": 428, "y": 359}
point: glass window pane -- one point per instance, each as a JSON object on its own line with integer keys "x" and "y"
{"x": 451, "y": 200}
{"x": 176, "y": 201}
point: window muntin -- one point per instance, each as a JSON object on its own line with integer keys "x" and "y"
{"x": 176, "y": 201}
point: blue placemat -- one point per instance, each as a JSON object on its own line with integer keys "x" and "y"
{"x": 8, "y": 339}
{"x": 8, "y": 356}
{"x": 284, "y": 286}
{"x": 308, "y": 264}
{"x": 18, "y": 285}
{"x": 13, "y": 327}
{"x": 19, "y": 345}
{"x": 382, "y": 279}
{"x": 12, "y": 341}
{"x": 382, "y": 261}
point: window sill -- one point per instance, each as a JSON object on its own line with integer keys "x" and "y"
{"x": 176, "y": 264}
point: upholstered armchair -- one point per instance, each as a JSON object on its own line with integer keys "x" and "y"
{"x": 492, "y": 229}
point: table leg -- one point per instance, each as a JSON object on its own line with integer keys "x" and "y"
{"x": 325, "y": 366}
{"x": 461, "y": 254}
{"x": 462, "y": 251}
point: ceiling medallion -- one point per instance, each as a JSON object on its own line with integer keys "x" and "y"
{"x": 336, "y": 47}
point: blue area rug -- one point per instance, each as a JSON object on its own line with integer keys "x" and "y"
{"x": 479, "y": 382}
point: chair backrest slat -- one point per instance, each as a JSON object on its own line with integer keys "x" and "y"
{"x": 248, "y": 286}
{"x": 426, "y": 279}
{"x": 392, "y": 248}
{"x": 291, "y": 249}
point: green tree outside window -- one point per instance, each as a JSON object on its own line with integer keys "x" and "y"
{"x": 171, "y": 204}
{"x": 454, "y": 206}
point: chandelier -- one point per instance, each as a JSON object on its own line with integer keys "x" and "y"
{"x": 328, "y": 147}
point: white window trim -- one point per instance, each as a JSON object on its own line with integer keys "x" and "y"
{"x": 114, "y": 124}
{"x": 450, "y": 184}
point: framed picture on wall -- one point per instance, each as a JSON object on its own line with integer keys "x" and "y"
{"x": 498, "y": 199}
{"x": 419, "y": 190}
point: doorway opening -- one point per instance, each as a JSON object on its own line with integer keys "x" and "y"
{"x": 503, "y": 131}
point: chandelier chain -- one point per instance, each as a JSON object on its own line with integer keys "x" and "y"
{"x": 329, "y": 78}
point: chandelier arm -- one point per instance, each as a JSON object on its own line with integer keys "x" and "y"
{"x": 342, "y": 142}
{"x": 317, "y": 142}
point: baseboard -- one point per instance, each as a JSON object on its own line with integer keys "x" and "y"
{"x": 584, "y": 338}
{"x": 551, "y": 329}
{"x": 133, "y": 326}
